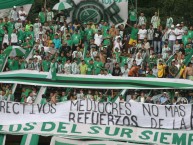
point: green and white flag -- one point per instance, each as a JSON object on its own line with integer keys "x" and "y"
{"x": 112, "y": 11}
{"x": 2, "y": 139}
{"x": 14, "y": 51}
{"x": 30, "y": 139}
{"x": 52, "y": 72}
{"x": 63, "y": 141}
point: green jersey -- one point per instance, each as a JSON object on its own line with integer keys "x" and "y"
{"x": 15, "y": 65}
{"x": 64, "y": 99}
{"x": 46, "y": 65}
{"x": 124, "y": 60}
{"x": 107, "y": 40}
{"x": 104, "y": 29}
{"x": 69, "y": 42}
{"x": 21, "y": 35}
{"x": 1, "y": 34}
{"x": 190, "y": 34}
{"x": 87, "y": 60}
{"x": 134, "y": 33}
{"x": 133, "y": 15}
{"x": 76, "y": 39}
{"x": 185, "y": 39}
{"x": 90, "y": 68}
{"x": 89, "y": 34}
{"x": 43, "y": 101}
{"x": 97, "y": 67}
{"x": 42, "y": 17}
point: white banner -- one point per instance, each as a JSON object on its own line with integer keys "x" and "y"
{"x": 91, "y": 112}
{"x": 98, "y": 132}
{"x": 114, "y": 11}
{"x": 63, "y": 141}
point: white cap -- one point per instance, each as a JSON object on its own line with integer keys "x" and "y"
{"x": 172, "y": 26}
{"x": 14, "y": 7}
{"x": 27, "y": 38}
{"x": 178, "y": 25}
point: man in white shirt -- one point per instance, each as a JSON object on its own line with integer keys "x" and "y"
{"x": 67, "y": 67}
{"x": 14, "y": 38}
{"x": 172, "y": 36}
{"x": 98, "y": 38}
{"x": 125, "y": 70}
{"x": 13, "y": 14}
{"x": 142, "y": 33}
{"x": 30, "y": 98}
{"x": 150, "y": 33}
{"x": 75, "y": 67}
{"x": 138, "y": 59}
{"x": 179, "y": 33}
{"x": 18, "y": 25}
{"x": 118, "y": 45}
{"x": 142, "y": 20}
{"x": 22, "y": 14}
{"x": 169, "y": 22}
{"x": 77, "y": 53}
{"x": 155, "y": 20}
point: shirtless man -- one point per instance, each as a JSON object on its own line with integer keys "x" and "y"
{"x": 188, "y": 74}
{"x": 134, "y": 71}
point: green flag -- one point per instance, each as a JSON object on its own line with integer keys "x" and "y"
{"x": 2, "y": 139}
{"x": 30, "y": 139}
{"x": 52, "y": 72}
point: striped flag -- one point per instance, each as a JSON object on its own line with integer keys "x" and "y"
{"x": 2, "y": 139}
{"x": 30, "y": 139}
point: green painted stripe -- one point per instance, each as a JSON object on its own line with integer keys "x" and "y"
{"x": 2, "y": 139}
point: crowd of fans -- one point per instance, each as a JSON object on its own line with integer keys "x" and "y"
{"x": 137, "y": 49}
{"x": 28, "y": 95}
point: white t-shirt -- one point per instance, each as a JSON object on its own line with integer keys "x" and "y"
{"x": 38, "y": 56}
{"x": 98, "y": 39}
{"x": 172, "y": 35}
{"x": 14, "y": 38}
{"x": 142, "y": 33}
{"x": 29, "y": 100}
{"x": 67, "y": 68}
{"x": 180, "y": 33}
{"x": 139, "y": 61}
{"x": 6, "y": 39}
{"x": 117, "y": 45}
{"x": 124, "y": 71}
{"x": 22, "y": 17}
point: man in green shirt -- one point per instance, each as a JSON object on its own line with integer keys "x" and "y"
{"x": 132, "y": 15}
{"x": 134, "y": 34}
{"x": 46, "y": 65}
{"x": 185, "y": 38}
{"x": 105, "y": 27}
{"x": 43, "y": 100}
{"x": 150, "y": 74}
{"x": 87, "y": 58}
{"x": 90, "y": 68}
{"x": 69, "y": 41}
{"x": 98, "y": 65}
{"x": 64, "y": 97}
{"x": 89, "y": 33}
{"x": 76, "y": 38}
{"x": 107, "y": 39}
{"x": 42, "y": 16}
{"x": 16, "y": 64}
{"x": 190, "y": 32}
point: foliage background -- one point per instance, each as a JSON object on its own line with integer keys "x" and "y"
{"x": 180, "y": 10}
